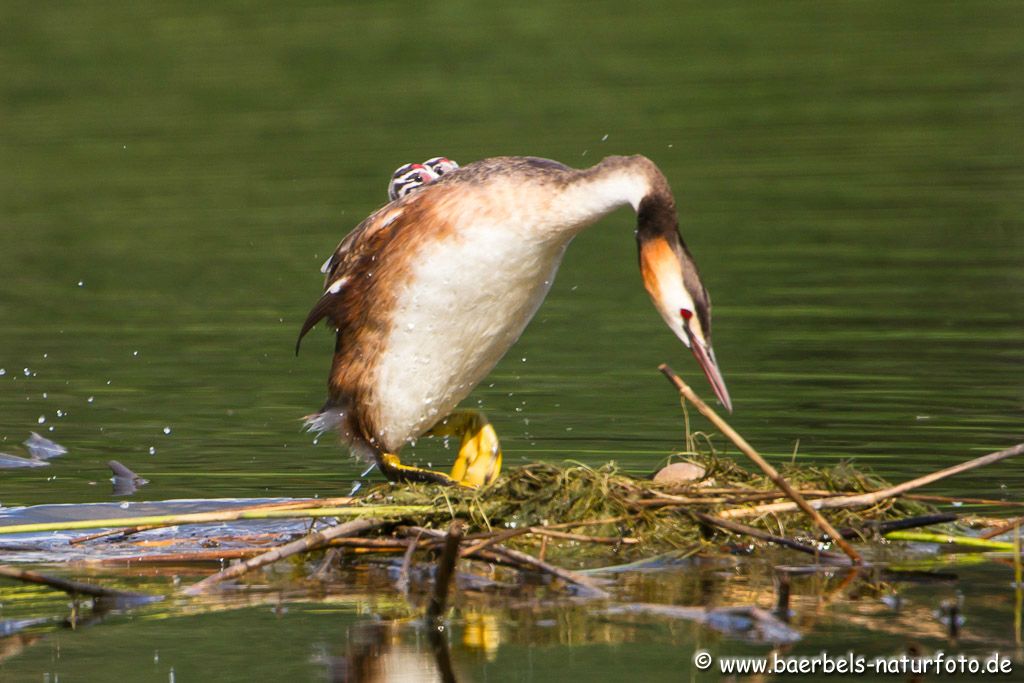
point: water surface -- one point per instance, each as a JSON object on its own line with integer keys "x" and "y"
{"x": 849, "y": 178}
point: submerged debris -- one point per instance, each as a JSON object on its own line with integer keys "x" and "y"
{"x": 125, "y": 481}
{"x": 42, "y": 448}
{"x": 14, "y": 461}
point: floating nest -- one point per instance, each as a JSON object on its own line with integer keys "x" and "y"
{"x": 589, "y": 513}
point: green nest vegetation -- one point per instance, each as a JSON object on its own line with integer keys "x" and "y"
{"x": 583, "y": 515}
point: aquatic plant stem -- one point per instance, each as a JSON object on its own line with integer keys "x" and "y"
{"x": 445, "y": 572}
{"x": 744, "y": 530}
{"x": 436, "y": 631}
{"x": 317, "y": 539}
{"x": 965, "y": 541}
{"x": 287, "y": 505}
{"x": 763, "y": 464}
{"x": 881, "y": 528}
{"x": 873, "y": 497}
{"x": 223, "y": 516}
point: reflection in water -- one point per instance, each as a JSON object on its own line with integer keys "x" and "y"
{"x": 376, "y": 653}
{"x": 363, "y": 634}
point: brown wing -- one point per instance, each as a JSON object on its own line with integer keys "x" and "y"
{"x": 348, "y": 268}
{"x": 379, "y": 245}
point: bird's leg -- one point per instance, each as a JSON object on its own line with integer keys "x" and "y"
{"x": 392, "y": 468}
{"x": 479, "y": 460}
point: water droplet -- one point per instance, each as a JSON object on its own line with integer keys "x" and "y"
{"x": 2, "y": 372}
{"x": 44, "y": 395}
{"x": 524, "y": 359}
{"x": 27, "y": 372}
{"x": 90, "y": 399}
{"x": 108, "y": 382}
{"x": 152, "y": 450}
{"x": 42, "y": 419}
{"x": 167, "y": 430}
{"x": 81, "y": 283}
{"x": 125, "y": 505}
{"x": 605, "y": 138}
{"x": 135, "y": 353}
{"x": 61, "y": 413}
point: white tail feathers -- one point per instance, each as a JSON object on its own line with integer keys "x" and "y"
{"x": 324, "y": 421}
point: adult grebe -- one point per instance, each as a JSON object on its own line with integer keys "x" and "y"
{"x": 431, "y": 290}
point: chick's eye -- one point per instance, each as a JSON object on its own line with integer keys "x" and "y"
{"x": 687, "y": 314}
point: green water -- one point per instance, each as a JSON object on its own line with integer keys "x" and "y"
{"x": 850, "y": 178}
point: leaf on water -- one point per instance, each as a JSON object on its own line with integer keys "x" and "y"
{"x": 42, "y": 448}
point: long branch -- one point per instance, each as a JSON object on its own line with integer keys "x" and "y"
{"x": 763, "y": 464}
{"x": 864, "y": 499}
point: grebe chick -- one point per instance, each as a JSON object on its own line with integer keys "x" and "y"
{"x": 441, "y": 165}
{"x": 407, "y": 178}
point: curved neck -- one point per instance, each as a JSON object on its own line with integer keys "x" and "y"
{"x": 615, "y": 182}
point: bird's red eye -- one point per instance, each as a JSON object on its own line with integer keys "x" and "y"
{"x": 687, "y": 314}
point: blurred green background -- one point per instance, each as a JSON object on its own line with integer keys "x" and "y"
{"x": 172, "y": 175}
{"x": 850, "y": 177}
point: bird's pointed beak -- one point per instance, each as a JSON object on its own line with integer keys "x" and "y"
{"x": 666, "y": 266}
{"x": 705, "y": 355}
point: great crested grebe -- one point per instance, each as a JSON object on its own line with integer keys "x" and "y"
{"x": 431, "y": 290}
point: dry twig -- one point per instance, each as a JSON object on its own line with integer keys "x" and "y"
{"x": 873, "y": 497}
{"x": 313, "y": 541}
{"x": 763, "y": 464}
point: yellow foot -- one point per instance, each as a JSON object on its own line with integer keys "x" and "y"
{"x": 479, "y": 460}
